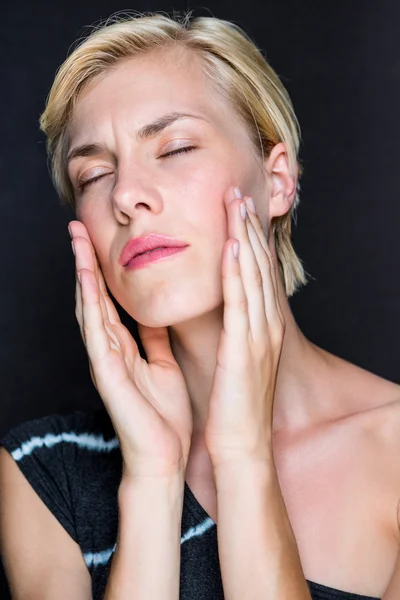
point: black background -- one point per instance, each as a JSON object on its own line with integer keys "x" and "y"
{"x": 341, "y": 65}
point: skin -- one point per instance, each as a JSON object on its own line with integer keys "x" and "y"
{"x": 335, "y": 426}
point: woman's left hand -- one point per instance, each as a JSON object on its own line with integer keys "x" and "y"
{"x": 239, "y": 423}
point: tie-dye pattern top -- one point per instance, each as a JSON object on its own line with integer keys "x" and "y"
{"x": 73, "y": 462}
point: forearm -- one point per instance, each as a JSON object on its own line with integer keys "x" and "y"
{"x": 258, "y": 553}
{"x": 146, "y": 563}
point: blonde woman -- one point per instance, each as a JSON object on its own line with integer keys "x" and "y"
{"x": 239, "y": 460}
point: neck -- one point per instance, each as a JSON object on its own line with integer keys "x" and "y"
{"x": 194, "y": 345}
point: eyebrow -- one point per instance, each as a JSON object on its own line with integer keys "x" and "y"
{"x": 146, "y": 132}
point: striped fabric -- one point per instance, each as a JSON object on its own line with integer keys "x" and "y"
{"x": 73, "y": 462}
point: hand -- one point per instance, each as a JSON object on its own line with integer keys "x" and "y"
{"x": 148, "y": 402}
{"x": 239, "y": 423}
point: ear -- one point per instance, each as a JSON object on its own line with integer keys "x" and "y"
{"x": 282, "y": 184}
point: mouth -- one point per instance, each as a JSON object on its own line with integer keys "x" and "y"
{"x": 155, "y": 255}
{"x": 148, "y": 251}
{"x": 148, "y": 244}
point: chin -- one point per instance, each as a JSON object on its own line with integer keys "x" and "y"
{"x": 177, "y": 310}
{"x": 174, "y": 302}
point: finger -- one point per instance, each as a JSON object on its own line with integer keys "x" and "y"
{"x": 267, "y": 269}
{"x": 95, "y": 335}
{"x": 236, "y": 325}
{"x": 251, "y": 276}
{"x": 79, "y": 318}
{"x": 78, "y": 305}
{"x": 112, "y": 312}
{"x": 255, "y": 221}
{"x": 119, "y": 336}
{"x": 101, "y": 340}
{"x": 78, "y": 229}
{"x": 79, "y": 314}
{"x": 84, "y": 260}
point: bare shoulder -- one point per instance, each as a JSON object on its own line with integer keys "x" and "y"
{"x": 348, "y": 455}
{"x": 360, "y": 391}
{"x": 370, "y": 405}
{"x": 40, "y": 559}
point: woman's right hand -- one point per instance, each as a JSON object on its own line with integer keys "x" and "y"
{"x": 148, "y": 402}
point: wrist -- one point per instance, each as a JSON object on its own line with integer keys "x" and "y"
{"x": 159, "y": 495}
{"x": 246, "y": 469}
{"x": 242, "y": 457}
{"x": 148, "y": 474}
{"x": 166, "y": 482}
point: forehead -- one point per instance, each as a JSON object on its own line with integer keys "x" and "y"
{"x": 140, "y": 89}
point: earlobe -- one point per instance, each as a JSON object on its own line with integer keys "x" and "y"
{"x": 281, "y": 182}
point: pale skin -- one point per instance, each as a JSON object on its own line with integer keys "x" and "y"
{"x": 334, "y": 428}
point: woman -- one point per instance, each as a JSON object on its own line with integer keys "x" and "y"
{"x": 240, "y": 460}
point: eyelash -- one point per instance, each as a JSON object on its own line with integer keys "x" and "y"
{"x": 182, "y": 150}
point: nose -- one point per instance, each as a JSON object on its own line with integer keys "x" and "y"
{"x": 134, "y": 192}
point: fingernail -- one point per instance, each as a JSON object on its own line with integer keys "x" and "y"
{"x": 70, "y": 232}
{"x": 73, "y": 248}
{"x": 243, "y": 211}
{"x": 250, "y": 205}
{"x": 237, "y": 192}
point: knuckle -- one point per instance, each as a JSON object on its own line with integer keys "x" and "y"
{"x": 104, "y": 289}
{"x": 85, "y": 331}
{"x": 265, "y": 262}
{"x": 243, "y": 305}
{"x": 279, "y": 331}
{"x": 259, "y": 280}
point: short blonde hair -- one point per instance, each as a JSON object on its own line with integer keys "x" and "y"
{"x": 233, "y": 63}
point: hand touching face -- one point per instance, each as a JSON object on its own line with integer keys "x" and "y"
{"x": 158, "y": 149}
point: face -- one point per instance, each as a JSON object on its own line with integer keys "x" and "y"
{"x": 141, "y": 188}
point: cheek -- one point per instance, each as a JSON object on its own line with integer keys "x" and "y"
{"x": 92, "y": 218}
{"x": 204, "y": 209}
{"x": 202, "y": 191}
{"x": 95, "y": 226}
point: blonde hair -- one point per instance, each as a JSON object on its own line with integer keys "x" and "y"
{"x": 231, "y": 60}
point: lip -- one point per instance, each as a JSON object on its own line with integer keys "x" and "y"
{"x": 154, "y": 256}
{"x": 145, "y": 244}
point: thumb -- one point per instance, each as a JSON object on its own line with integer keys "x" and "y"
{"x": 156, "y": 344}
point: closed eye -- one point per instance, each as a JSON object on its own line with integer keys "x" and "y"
{"x": 84, "y": 184}
{"x": 178, "y": 151}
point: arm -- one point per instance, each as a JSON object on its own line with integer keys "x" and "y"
{"x": 257, "y": 549}
{"x": 41, "y": 560}
{"x": 146, "y": 563}
{"x": 149, "y": 405}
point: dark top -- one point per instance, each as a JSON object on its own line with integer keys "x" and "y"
{"x": 74, "y": 464}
